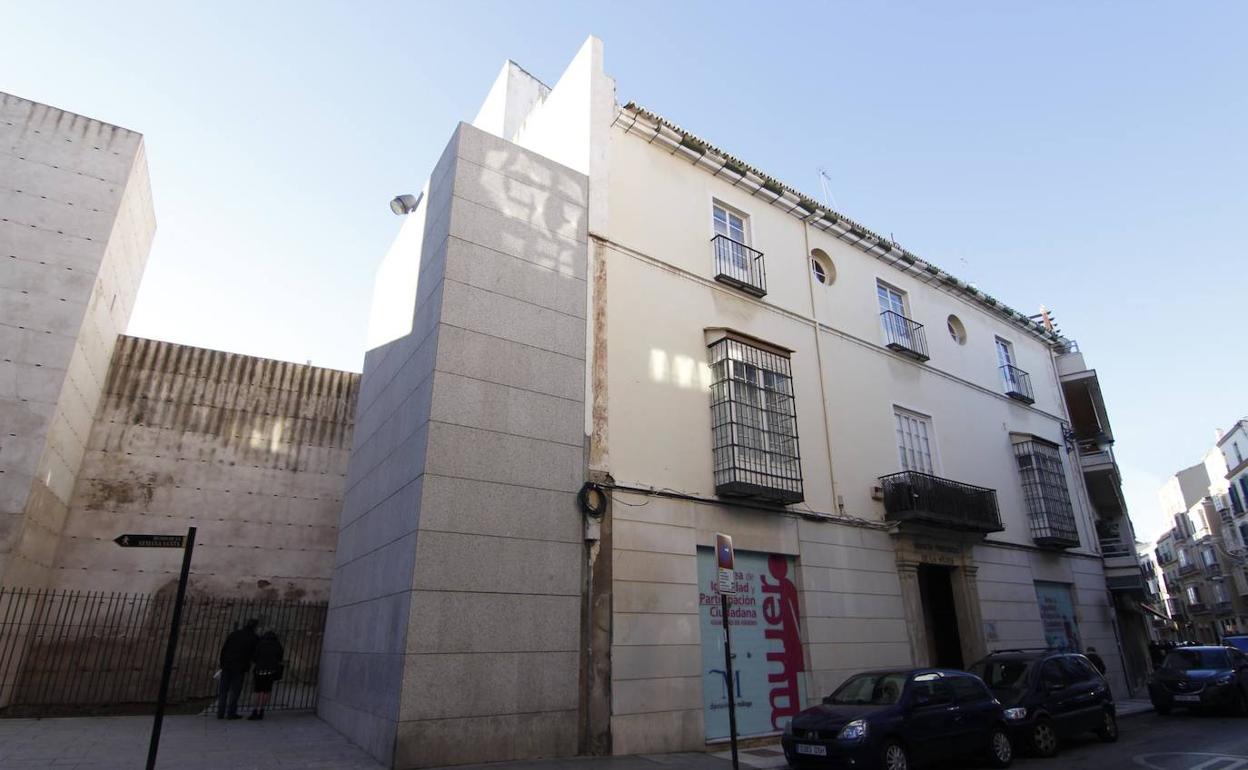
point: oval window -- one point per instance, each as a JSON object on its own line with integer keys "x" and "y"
{"x": 956, "y": 330}
{"x": 821, "y": 267}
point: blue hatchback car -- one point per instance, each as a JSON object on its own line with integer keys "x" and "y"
{"x": 895, "y": 720}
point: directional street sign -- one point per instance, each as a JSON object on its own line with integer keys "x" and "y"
{"x": 150, "y": 541}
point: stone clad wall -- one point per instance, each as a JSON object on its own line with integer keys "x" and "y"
{"x": 76, "y": 224}
{"x": 251, "y": 451}
{"x": 454, "y": 624}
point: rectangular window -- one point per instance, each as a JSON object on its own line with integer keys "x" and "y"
{"x": 1044, "y": 487}
{"x": 736, "y": 263}
{"x": 1183, "y": 560}
{"x": 1236, "y": 505}
{"x": 914, "y": 441}
{"x": 900, "y": 332}
{"x": 754, "y": 423}
{"x": 1208, "y": 557}
{"x": 1193, "y": 594}
{"x": 1015, "y": 382}
{"x": 1219, "y": 593}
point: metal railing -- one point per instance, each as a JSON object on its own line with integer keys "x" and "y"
{"x": 1188, "y": 569}
{"x": 1197, "y": 607}
{"x": 1211, "y": 570}
{"x": 914, "y": 496}
{"x": 738, "y": 265}
{"x": 1113, "y": 547}
{"x": 1222, "y": 608}
{"x": 1017, "y": 383}
{"x": 904, "y": 336}
{"x": 71, "y": 653}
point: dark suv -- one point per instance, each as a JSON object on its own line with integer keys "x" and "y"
{"x": 1201, "y": 677}
{"x": 1049, "y": 695}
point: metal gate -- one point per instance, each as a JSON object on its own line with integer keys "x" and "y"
{"x": 66, "y": 653}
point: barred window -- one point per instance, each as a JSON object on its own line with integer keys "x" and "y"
{"x": 754, "y": 423}
{"x": 1048, "y": 499}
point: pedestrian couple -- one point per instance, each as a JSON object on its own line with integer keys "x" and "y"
{"x": 243, "y": 648}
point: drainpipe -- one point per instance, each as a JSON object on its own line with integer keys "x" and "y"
{"x": 823, "y": 397}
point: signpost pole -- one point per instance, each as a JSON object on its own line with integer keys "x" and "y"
{"x": 732, "y": 693}
{"x": 726, "y": 582}
{"x": 172, "y": 647}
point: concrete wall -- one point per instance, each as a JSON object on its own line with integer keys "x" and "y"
{"x": 76, "y": 224}
{"x": 454, "y": 612}
{"x": 252, "y": 452}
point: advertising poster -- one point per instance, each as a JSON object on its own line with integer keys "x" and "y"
{"x": 766, "y": 644}
{"x": 1057, "y": 613}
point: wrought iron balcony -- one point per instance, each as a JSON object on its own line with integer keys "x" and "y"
{"x": 1212, "y": 570}
{"x": 1188, "y": 569}
{"x": 905, "y": 336}
{"x": 1222, "y": 608}
{"x": 1017, "y": 384}
{"x": 739, "y": 266}
{"x": 911, "y": 496}
{"x": 1197, "y": 608}
{"x": 1173, "y": 586}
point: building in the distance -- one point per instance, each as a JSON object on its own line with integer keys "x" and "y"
{"x": 1199, "y": 565}
{"x": 598, "y": 340}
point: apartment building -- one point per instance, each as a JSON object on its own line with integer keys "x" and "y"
{"x": 1199, "y": 564}
{"x": 598, "y": 340}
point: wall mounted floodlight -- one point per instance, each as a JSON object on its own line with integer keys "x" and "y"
{"x": 405, "y": 204}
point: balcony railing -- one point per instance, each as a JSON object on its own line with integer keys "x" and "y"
{"x": 1197, "y": 608}
{"x": 1017, "y": 384}
{"x": 905, "y": 336}
{"x": 1188, "y": 569}
{"x": 738, "y": 265}
{"x": 1112, "y": 546}
{"x": 1222, "y": 608}
{"x": 920, "y": 497}
{"x": 1173, "y": 586}
{"x": 1212, "y": 570}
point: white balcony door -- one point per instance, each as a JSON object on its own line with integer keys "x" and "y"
{"x": 732, "y": 226}
{"x": 1005, "y": 361}
{"x": 895, "y": 328}
{"x": 914, "y": 443}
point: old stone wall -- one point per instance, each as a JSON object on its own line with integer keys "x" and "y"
{"x": 251, "y": 451}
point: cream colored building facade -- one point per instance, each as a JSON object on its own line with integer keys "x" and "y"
{"x": 890, "y": 449}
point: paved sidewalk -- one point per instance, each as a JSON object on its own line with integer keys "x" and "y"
{"x": 283, "y": 740}
{"x": 1128, "y": 707}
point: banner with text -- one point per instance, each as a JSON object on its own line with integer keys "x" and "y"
{"x": 766, "y": 644}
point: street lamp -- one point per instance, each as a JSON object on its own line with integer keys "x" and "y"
{"x": 405, "y": 204}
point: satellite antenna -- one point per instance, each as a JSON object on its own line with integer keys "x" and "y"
{"x": 824, "y": 178}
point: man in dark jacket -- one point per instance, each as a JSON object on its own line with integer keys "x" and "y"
{"x": 235, "y": 660}
{"x": 1092, "y": 655}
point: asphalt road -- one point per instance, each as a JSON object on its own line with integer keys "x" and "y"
{"x": 1181, "y": 741}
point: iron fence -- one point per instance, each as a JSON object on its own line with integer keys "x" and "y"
{"x": 739, "y": 265}
{"x": 65, "y": 653}
{"x": 914, "y": 496}
{"x": 904, "y": 336}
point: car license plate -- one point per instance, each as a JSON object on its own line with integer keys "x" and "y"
{"x": 1187, "y": 698}
{"x": 818, "y": 751}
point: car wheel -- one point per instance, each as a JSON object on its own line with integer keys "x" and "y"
{"x": 894, "y": 757}
{"x": 1044, "y": 738}
{"x": 1108, "y": 731}
{"x": 1000, "y": 750}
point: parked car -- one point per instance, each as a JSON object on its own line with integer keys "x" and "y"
{"x": 1238, "y": 642}
{"x": 1049, "y": 696}
{"x": 1201, "y": 677}
{"x": 898, "y": 719}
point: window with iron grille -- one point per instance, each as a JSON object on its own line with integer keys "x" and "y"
{"x": 1048, "y": 499}
{"x": 754, "y": 423}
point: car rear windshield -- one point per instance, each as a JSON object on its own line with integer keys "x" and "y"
{"x": 1182, "y": 660}
{"x": 1003, "y": 673}
{"x": 870, "y": 690}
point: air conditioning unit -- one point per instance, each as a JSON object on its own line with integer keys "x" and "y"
{"x": 877, "y": 492}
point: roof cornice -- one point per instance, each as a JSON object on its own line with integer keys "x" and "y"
{"x": 656, "y": 129}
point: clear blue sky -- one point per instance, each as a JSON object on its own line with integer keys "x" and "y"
{"x": 1088, "y": 156}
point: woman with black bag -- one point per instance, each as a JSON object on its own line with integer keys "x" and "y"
{"x": 268, "y": 669}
